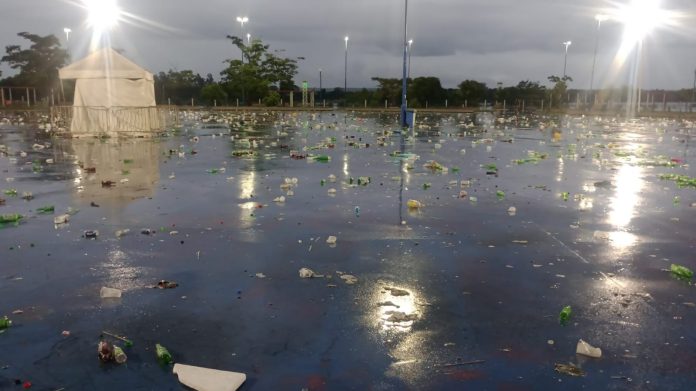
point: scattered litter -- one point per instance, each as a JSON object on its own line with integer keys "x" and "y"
{"x": 569, "y": 369}
{"x": 125, "y": 340}
{"x": 279, "y": 200}
{"x": 400, "y": 317}
{"x": 62, "y": 219}
{"x": 512, "y": 211}
{"x": 204, "y": 379}
{"x": 564, "y": 316}
{"x": 260, "y": 275}
{"x": 164, "y": 284}
{"x": 681, "y": 272}
{"x": 309, "y": 273}
{"x": 109, "y": 293}
{"x": 5, "y": 323}
{"x": 588, "y": 350}
{"x": 463, "y": 363}
{"x": 91, "y": 234}
{"x": 331, "y": 240}
{"x": 105, "y": 351}
{"x": 122, "y": 232}
{"x": 163, "y": 355}
{"x": 10, "y": 218}
{"x": 349, "y": 279}
{"x": 413, "y": 204}
{"x": 397, "y": 292}
{"x": 119, "y": 356}
{"x": 46, "y": 209}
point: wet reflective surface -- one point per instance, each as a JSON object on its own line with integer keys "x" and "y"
{"x": 462, "y": 278}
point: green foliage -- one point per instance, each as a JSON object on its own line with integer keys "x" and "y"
{"x": 212, "y": 93}
{"x": 472, "y": 91}
{"x": 426, "y": 90}
{"x": 38, "y": 65}
{"x": 252, "y": 78}
{"x": 559, "y": 92}
{"x": 272, "y": 99}
{"x": 389, "y": 90}
{"x": 179, "y": 86}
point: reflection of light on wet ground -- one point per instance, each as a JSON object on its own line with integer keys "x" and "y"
{"x": 346, "y": 165}
{"x": 561, "y": 170}
{"x": 396, "y": 313}
{"x": 586, "y": 203}
{"x": 247, "y": 185}
{"x": 622, "y": 240}
{"x": 589, "y": 188}
{"x": 622, "y": 296}
{"x": 119, "y": 271}
{"x": 629, "y": 183}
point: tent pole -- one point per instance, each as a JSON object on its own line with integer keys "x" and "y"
{"x": 62, "y": 91}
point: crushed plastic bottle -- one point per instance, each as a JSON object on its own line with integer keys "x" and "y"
{"x": 681, "y": 272}
{"x": 119, "y": 356}
{"x": 163, "y": 354}
{"x": 564, "y": 316}
{"x": 62, "y": 219}
{"x": 5, "y": 323}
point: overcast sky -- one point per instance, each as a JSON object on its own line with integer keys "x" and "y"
{"x": 488, "y": 40}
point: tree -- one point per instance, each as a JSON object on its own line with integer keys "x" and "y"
{"x": 38, "y": 66}
{"x": 389, "y": 90}
{"x": 472, "y": 91}
{"x": 178, "y": 86}
{"x": 426, "y": 90}
{"x": 213, "y": 93}
{"x": 252, "y": 78}
{"x": 530, "y": 90}
{"x": 560, "y": 89}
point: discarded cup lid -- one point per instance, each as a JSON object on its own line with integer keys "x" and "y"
{"x": 205, "y": 379}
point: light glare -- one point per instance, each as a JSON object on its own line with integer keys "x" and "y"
{"x": 102, "y": 14}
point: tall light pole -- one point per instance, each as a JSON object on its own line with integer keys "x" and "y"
{"x": 321, "y": 94}
{"x": 404, "y": 86}
{"x": 410, "y": 46}
{"x": 345, "y": 69}
{"x": 565, "y": 61}
{"x": 693, "y": 94}
{"x": 67, "y": 31}
{"x": 599, "y": 18}
{"x": 248, "y": 39}
{"x": 242, "y": 20}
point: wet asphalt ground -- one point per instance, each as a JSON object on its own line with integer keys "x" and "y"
{"x": 460, "y": 293}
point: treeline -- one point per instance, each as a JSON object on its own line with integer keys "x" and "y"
{"x": 261, "y": 76}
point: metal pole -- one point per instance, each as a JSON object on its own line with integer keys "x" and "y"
{"x": 2, "y": 96}
{"x": 404, "y": 86}
{"x": 410, "y": 47}
{"x": 594, "y": 61}
{"x": 693, "y": 95}
{"x": 321, "y": 93}
{"x": 345, "y": 70}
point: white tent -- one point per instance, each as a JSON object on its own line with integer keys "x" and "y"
{"x": 113, "y": 96}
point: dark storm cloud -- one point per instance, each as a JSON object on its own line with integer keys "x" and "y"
{"x": 489, "y": 40}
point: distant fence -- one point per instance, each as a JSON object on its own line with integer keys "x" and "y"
{"x": 112, "y": 121}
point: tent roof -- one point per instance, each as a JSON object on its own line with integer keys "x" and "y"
{"x": 105, "y": 63}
